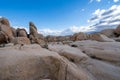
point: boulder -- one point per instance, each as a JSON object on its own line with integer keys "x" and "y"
{"x": 79, "y": 36}
{"x": 61, "y": 62}
{"x": 117, "y": 30}
{"x": 21, "y": 32}
{"x": 100, "y": 37}
{"x": 5, "y": 27}
{"x": 51, "y": 38}
{"x": 72, "y": 54}
{"x": 33, "y": 29}
{"x": 3, "y": 38}
{"x": 14, "y": 32}
{"x": 34, "y": 36}
{"x": 107, "y": 51}
{"x": 108, "y": 32}
{"x": 21, "y": 40}
{"x": 33, "y": 63}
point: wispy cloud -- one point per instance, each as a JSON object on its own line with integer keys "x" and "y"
{"x": 94, "y": 0}
{"x": 0, "y": 16}
{"x": 82, "y": 9}
{"x": 91, "y": 1}
{"x": 69, "y": 31}
{"x": 115, "y": 1}
{"x": 98, "y": 0}
{"x": 106, "y": 17}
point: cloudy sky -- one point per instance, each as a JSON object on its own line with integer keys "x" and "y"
{"x": 62, "y": 16}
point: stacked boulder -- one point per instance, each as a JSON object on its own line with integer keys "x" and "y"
{"x": 6, "y": 29}
{"x": 35, "y": 37}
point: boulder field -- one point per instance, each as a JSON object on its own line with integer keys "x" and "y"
{"x": 80, "y": 56}
{"x": 90, "y": 60}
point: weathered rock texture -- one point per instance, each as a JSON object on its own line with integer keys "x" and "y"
{"x": 79, "y": 36}
{"x": 34, "y": 36}
{"x": 35, "y": 63}
{"x": 117, "y": 30}
{"x": 100, "y": 37}
{"x": 21, "y": 32}
{"x": 14, "y": 32}
{"x": 109, "y": 33}
{"x": 5, "y": 27}
{"x": 91, "y": 60}
{"x": 21, "y": 40}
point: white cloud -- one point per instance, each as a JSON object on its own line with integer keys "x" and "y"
{"x": 69, "y": 31}
{"x": 94, "y": 0}
{"x": 115, "y": 1}
{"x": 106, "y": 17}
{"x": 50, "y": 32}
{"x": 82, "y": 29}
{"x": 98, "y": 0}
{"x": 0, "y": 16}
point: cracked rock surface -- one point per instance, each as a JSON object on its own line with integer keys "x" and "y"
{"x": 89, "y": 60}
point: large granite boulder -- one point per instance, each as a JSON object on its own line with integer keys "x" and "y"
{"x": 79, "y": 36}
{"x": 3, "y": 38}
{"x": 21, "y": 32}
{"x": 100, "y": 37}
{"x": 14, "y": 32}
{"x": 34, "y": 36}
{"x": 96, "y": 65}
{"x": 36, "y": 63}
{"x": 61, "y": 62}
{"x": 21, "y": 40}
{"x": 117, "y": 30}
{"x": 5, "y": 27}
{"x": 108, "y": 32}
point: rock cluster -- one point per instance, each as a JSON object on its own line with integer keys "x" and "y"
{"x": 19, "y": 35}
{"x": 107, "y": 35}
{"x": 89, "y": 61}
{"x": 79, "y": 56}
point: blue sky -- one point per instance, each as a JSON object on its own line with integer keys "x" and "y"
{"x": 52, "y": 14}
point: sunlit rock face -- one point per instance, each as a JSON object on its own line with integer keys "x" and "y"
{"x": 5, "y": 27}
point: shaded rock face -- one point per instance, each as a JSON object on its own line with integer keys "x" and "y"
{"x": 34, "y": 36}
{"x": 33, "y": 29}
{"x": 14, "y": 32}
{"x": 21, "y": 32}
{"x": 117, "y": 30}
{"x": 21, "y": 40}
{"x": 109, "y": 33}
{"x": 3, "y": 38}
{"x": 5, "y": 27}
